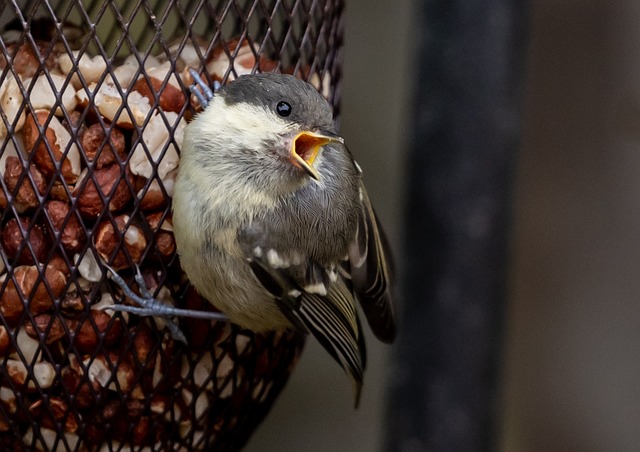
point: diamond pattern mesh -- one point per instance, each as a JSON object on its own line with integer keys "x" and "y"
{"x": 93, "y": 106}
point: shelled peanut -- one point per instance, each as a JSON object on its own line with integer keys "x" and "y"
{"x": 96, "y": 142}
{"x": 87, "y": 175}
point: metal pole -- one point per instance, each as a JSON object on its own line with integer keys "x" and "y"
{"x": 467, "y": 119}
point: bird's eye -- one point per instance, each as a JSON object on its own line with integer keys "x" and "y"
{"x": 283, "y": 108}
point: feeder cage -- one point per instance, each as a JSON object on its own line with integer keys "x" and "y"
{"x": 93, "y": 104}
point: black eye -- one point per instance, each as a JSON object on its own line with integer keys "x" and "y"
{"x": 283, "y": 108}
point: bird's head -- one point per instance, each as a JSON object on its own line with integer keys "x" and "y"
{"x": 269, "y": 128}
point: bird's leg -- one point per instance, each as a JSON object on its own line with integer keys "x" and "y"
{"x": 150, "y": 306}
{"x": 201, "y": 90}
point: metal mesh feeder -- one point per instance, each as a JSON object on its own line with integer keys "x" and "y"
{"x": 93, "y": 105}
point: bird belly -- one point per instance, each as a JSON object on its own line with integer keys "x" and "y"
{"x": 224, "y": 279}
{"x": 205, "y": 229}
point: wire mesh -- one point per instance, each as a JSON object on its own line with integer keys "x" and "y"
{"x": 93, "y": 106}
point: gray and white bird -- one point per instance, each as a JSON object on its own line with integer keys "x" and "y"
{"x": 272, "y": 222}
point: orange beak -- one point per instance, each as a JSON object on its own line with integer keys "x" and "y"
{"x": 305, "y": 148}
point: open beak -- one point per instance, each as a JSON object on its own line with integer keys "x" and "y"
{"x": 306, "y": 146}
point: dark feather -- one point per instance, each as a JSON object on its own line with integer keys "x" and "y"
{"x": 332, "y": 318}
{"x": 371, "y": 273}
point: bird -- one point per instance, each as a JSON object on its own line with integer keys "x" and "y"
{"x": 272, "y": 221}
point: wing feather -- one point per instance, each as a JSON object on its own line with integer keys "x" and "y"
{"x": 331, "y": 318}
{"x": 372, "y": 272}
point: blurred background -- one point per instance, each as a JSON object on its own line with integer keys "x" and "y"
{"x": 571, "y": 364}
{"x": 573, "y": 339}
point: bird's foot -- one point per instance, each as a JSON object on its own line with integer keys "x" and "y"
{"x": 150, "y": 306}
{"x": 201, "y": 90}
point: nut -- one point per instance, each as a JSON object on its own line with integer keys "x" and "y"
{"x": 59, "y": 263}
{"x": 143, "y": 346}
{"x": 157, "y": 148}
{"x": 242, "y": 342}
{"x": 74, "y": 298}
{"x": 165, "y": 244}
{"x": 82, "y": 95}
{"x": 52, "y": 147}
{"x": 157, "y": 223}
{"x": 98, "y": 370}
{"x": 126, "y": 376}
{"x": 185, "y": 429}
{"x": 29, "y": 347}
{"x": 42, "y": 94}
{"x": 5, "y": 341}
{"x": 159, "y": 373}
{"x": 106, "y": 242}
{"x": 28, "y": 285}
{"x": 243, "y": 63}
{"x": 77, "y": 384}
{"x": 47, "y": 326}
{"x": 26, "y": 61}
{"x": 72, "y": 304}
{"x": 72, "y": 236}
{"x": 11, "y": 306}
{"x": 187, "y": 56}
{"x": 88, "y": 266}
{"x": 92, "y": 141}
{"x": 8, "y": 399}
{"x": 11, "y": 150}
{"x": 3, "y": 199}
{"x": 165, "y": 241}
{"x": 11, "y": 105}
{"x": 44, "y": 374}
{"x": 90, "y": 68}
{"x": 48, "y": 440}
{"x": 74, "y": 121}
{"x": 130, "y": 68}
{"x": 59, "y": 192}
{"x": 26, "y": 197}
{"x": 142, "y": 430}
{"x": 15, "y": 232}
{"x": 171, "y": 97}
{"x": 108, "y": 99}
{"x": 17, "y": 371}
{"x": 223, "y": 373}
{"x": 201, "y": 406}
{"x": 103, "y": 182}
{"x": 203, "y": 371}
{"x": 159, "y": 404}
{"x": 56, "y": 410}
{"x": 93, "y": 328}
{"x": 153, "y": 198}
{"x": 323, "y": 85}
{"x": 106, "y": 301}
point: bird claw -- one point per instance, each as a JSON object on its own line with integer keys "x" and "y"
{"x": 150, "y": 306}
{"x": 201, "y": 90}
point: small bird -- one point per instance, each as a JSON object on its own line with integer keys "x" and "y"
{"x": 272, "y": 222}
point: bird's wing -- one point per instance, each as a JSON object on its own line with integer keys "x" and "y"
{"x": 316, "y": 300}
{"x": 371, "y": 271}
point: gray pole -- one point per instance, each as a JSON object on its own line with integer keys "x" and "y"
{"x": 443, "y": 394}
